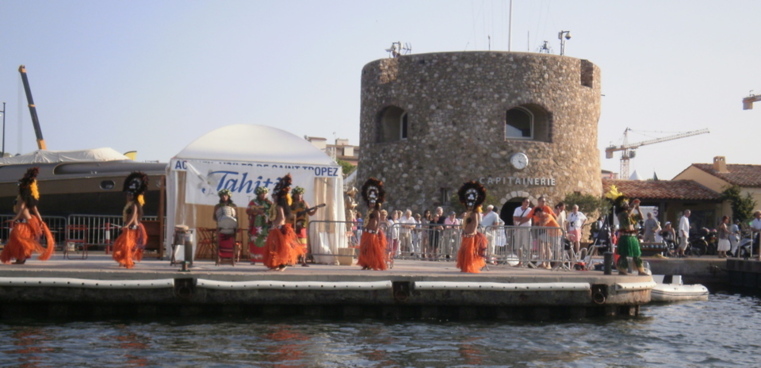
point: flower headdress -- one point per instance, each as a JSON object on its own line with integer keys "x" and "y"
{"x": 261, "y": 190}
{"x": 297, "y": 190}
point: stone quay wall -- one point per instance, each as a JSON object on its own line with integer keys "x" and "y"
{"x": 430, "y": 122}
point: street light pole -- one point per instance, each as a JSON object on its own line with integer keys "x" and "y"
{"x": 3, "y": 153}
{"x": 561, "y": 35}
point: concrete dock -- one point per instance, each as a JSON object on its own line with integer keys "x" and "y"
{"x": 413, "y": 289}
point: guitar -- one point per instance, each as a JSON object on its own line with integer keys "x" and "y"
{"x": 309, "y": 209}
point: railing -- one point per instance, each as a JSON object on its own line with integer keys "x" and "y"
{"x": 514, "y": 245}
{"x": 101, "y": 230}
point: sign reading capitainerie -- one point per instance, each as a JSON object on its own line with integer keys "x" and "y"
{"x": 514, "y": 180}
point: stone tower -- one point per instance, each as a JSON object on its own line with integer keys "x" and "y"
{"x": 524, "y": 124}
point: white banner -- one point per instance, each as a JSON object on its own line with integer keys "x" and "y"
{"x": 206, "y": 178}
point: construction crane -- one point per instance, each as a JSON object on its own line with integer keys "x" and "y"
{"x": 628, "y": 149}
{"x": 32, "y": 109}
{"x": 748, "y": 101}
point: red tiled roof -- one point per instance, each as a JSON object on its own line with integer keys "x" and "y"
{"x": 740, "y": 175}
{"x": 662, "y": 189}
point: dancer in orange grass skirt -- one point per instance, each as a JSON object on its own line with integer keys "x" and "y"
{"x": 372, "y": 245}
{"x": 128, "y": 247}
{"x": 28, "y": 226}
{"x": 470, "y": 257}
{"x": 282, "y": 247}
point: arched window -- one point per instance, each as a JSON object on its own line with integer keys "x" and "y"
{"x": 519, "y": 124}
{"x": 529, "y": 122}
{"x": 393, "y": 124}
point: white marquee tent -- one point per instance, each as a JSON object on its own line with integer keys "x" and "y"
{"x": 242, "y": 157}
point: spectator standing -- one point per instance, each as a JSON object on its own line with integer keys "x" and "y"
{"x": 406, "y": 224}
{"x": 722, "y": 232}
{"x": 522, "y": 232}
{"x": 490, "y": 222}
{"x": 684, "y": 231}
{"x": 652, "y": 226}
{"x": 755, "y": 228}
{"x": 576, "y": 220}
{"x": 734, "y": 237}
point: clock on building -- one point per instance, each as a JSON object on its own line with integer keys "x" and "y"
{"x": 519, "y": 160}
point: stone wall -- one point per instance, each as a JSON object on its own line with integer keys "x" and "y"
{"x": 455, "y": 105}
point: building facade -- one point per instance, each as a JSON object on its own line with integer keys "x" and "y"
{"x": 524, "y": 124}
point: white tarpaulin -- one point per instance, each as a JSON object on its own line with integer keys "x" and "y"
{"x": 45, "y": 156}
{"x": 243, "y": 157}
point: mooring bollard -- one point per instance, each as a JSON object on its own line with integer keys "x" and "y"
{"x": 607, "y": 263}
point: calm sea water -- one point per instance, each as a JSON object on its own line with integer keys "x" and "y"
{"x": 722, "y": 332}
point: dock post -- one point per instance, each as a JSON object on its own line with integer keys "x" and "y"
{"x": 607, "y": 263}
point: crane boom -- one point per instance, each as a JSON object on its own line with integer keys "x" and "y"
{"x": 32, "y": 109}
{"x": 628, "y": 148}
{"x": 748, "y": 101}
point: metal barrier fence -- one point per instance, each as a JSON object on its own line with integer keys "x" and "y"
{"x": 95, "y": 230}
{"x": 513, "y": 245}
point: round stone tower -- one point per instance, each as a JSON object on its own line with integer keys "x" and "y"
{"x": 524, "y": 124}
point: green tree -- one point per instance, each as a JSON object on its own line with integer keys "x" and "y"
{"x": 346, "y": 167}
{"x": 588, "y": 204}
{"x": 742, "y": 206}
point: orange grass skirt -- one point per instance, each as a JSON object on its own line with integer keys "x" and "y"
{"x": 372, "y": 251}
{"x": 25, "y": 240}
{"x": 469, "y": 257}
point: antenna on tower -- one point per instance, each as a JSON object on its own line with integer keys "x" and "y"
{"x": 397, "y": 49}
{"x": 545, "y": 48}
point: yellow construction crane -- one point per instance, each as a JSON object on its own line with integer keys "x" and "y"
{"x": 628, "y": 149}
{"x": 748, "y": 101}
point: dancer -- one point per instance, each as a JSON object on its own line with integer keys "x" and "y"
{"x": 27, "y": 225}
{"x": 128, "y": 247}
{"x": 628, "y": 244}
{"x": 258, "y": 223}
{"x": 470, "y": 257}
{"x": 372, "y": 245}
{"x": 281, "y": 248}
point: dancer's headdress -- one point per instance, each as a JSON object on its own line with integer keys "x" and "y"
{"x": 373, "y": 193}
{"x": 472, "y": 194}
{"x": 261, "y": 190}
{"x": 620, "y": 200}
{"x": 282, "y": 187}
{"x": 28, "y": 187}
{"x": 136, "y": 183}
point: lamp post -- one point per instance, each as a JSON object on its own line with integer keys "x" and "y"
{"x": 3, "y": 153}
{"x": 563, "y": 36}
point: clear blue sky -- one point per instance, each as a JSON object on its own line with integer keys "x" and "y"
{"x": 152, "y": 76}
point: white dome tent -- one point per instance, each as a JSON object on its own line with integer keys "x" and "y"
{"x": 242, "y": 157}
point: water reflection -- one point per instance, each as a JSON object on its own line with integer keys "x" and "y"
{"x": 719, "y": 332}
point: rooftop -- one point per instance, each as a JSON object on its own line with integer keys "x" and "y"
{"x": 662, "y": 189}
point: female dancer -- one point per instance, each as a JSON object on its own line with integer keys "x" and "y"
{"x": 470, "y": 257}
{"x": 281, "y": 248}
{"x": 128, "y": 246}
{"x": 28, "y": 226}
{"x": 372, "y": 245}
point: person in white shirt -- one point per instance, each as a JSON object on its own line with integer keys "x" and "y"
{"x": 489, "y": 223}
{"x": 521, "y": 238}
{"x": 407, "y": 223}
{"x": 755, "y": 227}
{"x": 684, "y": 232}
{"x": 575, "y": 221}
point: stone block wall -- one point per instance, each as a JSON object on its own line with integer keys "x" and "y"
{"x": 454, "y": 106}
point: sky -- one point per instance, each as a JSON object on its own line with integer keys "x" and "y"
{"x": 153, "y": 76}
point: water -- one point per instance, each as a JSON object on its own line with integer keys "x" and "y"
{"x": 722, "y": 332}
